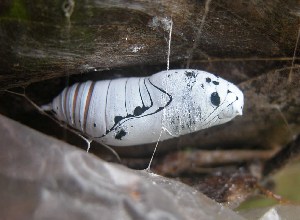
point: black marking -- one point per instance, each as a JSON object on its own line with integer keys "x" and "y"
{"x": 139, "y": 110}
{"x": 208, "y": 80}
{"x": 204, "y": 125}
{"x": 217, "y": 108}
{"x": 119, "y": 120}
{"x": 191, "y": 74}
{"x": 237, "y": 98}
{"x": 125, "y": 94}
{"x": 202, "y": 86}
{"x": 215, "y": 99}
{"x": 140, "y": 92}
{"x": 172, "y": 121}
{"x": 95, "y": 125}
{"x": 216, "y": 83}
{"x": 191, "y": 79}
{"x": 228, "y": 91}
{"x": 120, "y": 134}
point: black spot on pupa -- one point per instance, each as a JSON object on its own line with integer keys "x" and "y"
{"x": 118, "y": 118}
{"x": 215, "y": 82}
{"x": 215, "y": 99}
{"x": 138, "y": 111}
{"x": 190, "y": 74}
{"x": 120, "y": 134}
{"x": 95, "y": 125}
{"x": 202, "y": 86}
{"x": 228, "y": 91}
{"x": 208, "y": 80}
{"x": 56, "y": 107}
{"x": 237, "y": 98}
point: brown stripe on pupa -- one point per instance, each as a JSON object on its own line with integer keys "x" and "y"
{"x": 61, "y": 99}
{"x": 87, "y": 105}
{"x": 75, "y": 101}
{"x": 65, "y": 105}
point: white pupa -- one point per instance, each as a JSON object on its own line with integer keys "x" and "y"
{"x": 135, "y": 110}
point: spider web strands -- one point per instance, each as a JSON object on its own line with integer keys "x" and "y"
{"x": 195, "y": 44}
{"x": 169, "y": 44}
{"x": 88, "y": 140}
{"x": 282, "y": 157}
{"x": 247, "y": 59}
{"x": 156, "y": 145}
{"x": 164, "y": 110}
{"x": 278, "y": 108}
{"x": 204, "y": 161}
{"x": 294, "y": 56}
